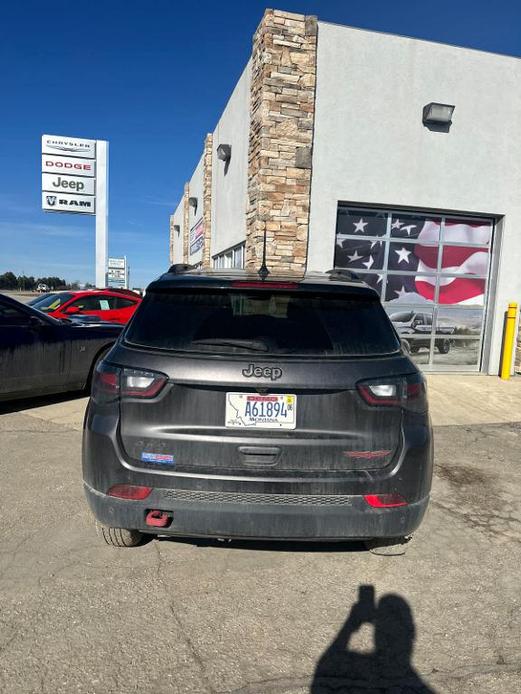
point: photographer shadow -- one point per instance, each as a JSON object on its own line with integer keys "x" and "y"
{"x": 388, "y": 667}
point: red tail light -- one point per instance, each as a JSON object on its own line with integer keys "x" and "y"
{"x": 385, "y": 500}
{"x": 112, "y": 382}
{"x": 129, "y": 491}
{"x": 264, "y": 285}
{"x": 408, "y": 392}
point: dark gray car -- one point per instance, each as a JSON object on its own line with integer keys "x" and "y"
{"x": 40, "y": 354}
{"x": 241, "y": 407}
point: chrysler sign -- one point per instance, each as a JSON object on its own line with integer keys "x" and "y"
{"x": 72, "y": 146}
{"x": 64, "y": 202}
{"x": 68, "y": 184}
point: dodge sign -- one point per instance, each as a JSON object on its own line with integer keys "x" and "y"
{"x": 68, "y": 165}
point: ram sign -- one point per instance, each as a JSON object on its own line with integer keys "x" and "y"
{"x": 65, "y": 202}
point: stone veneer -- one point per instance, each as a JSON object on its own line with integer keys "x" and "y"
{"x": 207, "y": 200}
{"x": 281, "y": 136}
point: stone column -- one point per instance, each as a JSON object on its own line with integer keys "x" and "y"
{"x": 282, "y": 112}
{"x": 172, "y": 236}
{"x": 207, "y": 200}
{"x": 186, "y": 223}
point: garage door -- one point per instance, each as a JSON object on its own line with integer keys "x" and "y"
{"x": 431, "y": 272}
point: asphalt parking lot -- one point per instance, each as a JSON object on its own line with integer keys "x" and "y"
{"x": 191, "y": 616}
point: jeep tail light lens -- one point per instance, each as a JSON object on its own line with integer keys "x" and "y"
{"x": 111, "y": 383}
{"x": 141, "y": 384}
{"x": 408, "y": 392}
{"x": 385, "y": 500}
{"x": 105, "y": 383}
{"x": 129, "y": 491}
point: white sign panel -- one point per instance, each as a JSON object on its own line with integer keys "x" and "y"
{"x": 68, "y": 165}
{"x": 116, "y": 274}
{"x": 116, "y": 263}
{"x": 65, "y": 202}
{"x": 72, "y": 146}
{"x": 68, "y": 184}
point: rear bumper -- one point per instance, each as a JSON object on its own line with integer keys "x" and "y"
{"x": 292, "y": 517}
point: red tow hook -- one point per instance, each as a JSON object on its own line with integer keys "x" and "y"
{"x": 159, "y": 519}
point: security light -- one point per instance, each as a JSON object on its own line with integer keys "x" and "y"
{"x": 177, "y": 229}
{"x": 224, "y": 152}
{"x": 437, "y": 114}
{"x": 193, "y": 203}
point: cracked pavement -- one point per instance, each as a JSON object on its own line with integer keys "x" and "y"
{"x": 176, "y": 616}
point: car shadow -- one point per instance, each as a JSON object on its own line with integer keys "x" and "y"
{"x": 10, "y": 406}
{"x": 268, "y": 545}
{"x": 388, "y": 667}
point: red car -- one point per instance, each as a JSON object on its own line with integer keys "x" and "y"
{"x": 112, "y": 305}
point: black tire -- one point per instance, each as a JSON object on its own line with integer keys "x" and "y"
{"x": 443, "y": 346}
{"x": 119, "y": 537}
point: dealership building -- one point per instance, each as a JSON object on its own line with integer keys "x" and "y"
{"x": 396, "y": 158}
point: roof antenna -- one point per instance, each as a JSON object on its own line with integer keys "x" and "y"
{"x": 263, "y": 270}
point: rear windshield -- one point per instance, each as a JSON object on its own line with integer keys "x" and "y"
{"x": 263, "y": 321}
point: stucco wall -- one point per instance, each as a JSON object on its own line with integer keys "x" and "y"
{"x": 196, "y": 191}
{"x": 371, "y": 147}
{"x": 229, "y": 189}
{"x": 177, "y": 239}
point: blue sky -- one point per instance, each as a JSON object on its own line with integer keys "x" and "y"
{"x": 152, "y": 77}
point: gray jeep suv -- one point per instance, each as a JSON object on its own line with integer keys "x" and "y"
{"x": 236, "y": 406}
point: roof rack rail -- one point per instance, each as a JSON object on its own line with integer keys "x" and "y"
{"x": 179, "y": 268}
{"x": 341, "y": 273}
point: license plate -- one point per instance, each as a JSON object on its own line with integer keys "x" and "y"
{"x": 248, "y": 410}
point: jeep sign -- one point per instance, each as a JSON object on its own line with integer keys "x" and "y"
{"x": 68, "y": 184}
{"x": 68, "y": 165}
{"x": 64, "y": 202}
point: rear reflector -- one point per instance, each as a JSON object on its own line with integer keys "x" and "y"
{"x": 129, "y": 491}
{"x": 385, "y": 500}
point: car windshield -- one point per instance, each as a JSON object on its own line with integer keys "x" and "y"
{"x": 264, "y": 321}
{"x": 402, "y": 317}
{"x": 50, "y": 302}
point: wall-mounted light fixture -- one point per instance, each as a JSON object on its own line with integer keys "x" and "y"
{"x": 193, "y": 203}
{"x": 438, "y": 114}
{"x": 177, "y": 229}
{"x": 224, "y": 152}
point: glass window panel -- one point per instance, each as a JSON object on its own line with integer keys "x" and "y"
{"x": 410, "y": 289}
{"x": 360, "y": 222}
{"x": 462, "y": 321}
{"x": 359, "y": 254}
{"x": 461, "y": 290}
{"x": 373, "y": 279}
{"x": 412, "y": 324}
{"x": 456, "y": 352}
{"x": 410, "y": 226}
{"x": 411, "y": 257}
{"x": 467, "y": 231}
{"x": 464, "y": 260}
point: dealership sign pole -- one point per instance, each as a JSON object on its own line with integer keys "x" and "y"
{"x": 75, "y": 180}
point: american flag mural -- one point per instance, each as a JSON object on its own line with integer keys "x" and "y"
{"x": 417, "y": 256}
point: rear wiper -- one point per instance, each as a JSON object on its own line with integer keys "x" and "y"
{"x": 253, "y": 345}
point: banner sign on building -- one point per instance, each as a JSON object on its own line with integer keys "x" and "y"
{"x": 196, "y": 237}
{"x": 117, "y": 272}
